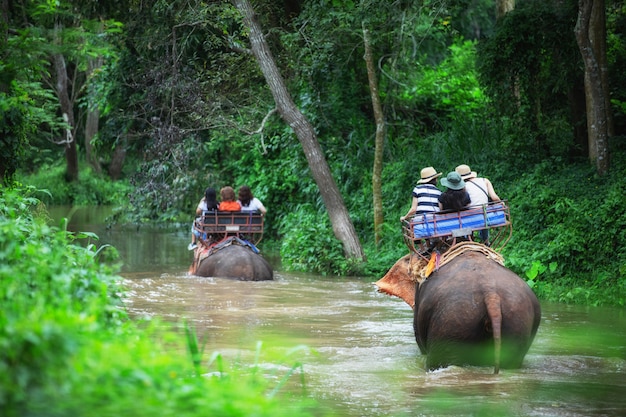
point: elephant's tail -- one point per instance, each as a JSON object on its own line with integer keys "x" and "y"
{"x": 492, "y": 302}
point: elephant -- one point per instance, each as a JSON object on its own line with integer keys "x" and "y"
{"x": 232, "y": 261}
{"x": 472, "y": 311}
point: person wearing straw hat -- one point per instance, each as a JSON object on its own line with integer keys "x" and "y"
{"x": 425, "y": 194}
{"x": 455, "y": 198}
{"x": 479, "y": 189}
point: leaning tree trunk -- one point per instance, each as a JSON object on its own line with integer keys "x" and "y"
{"x": 380, "y": 136}
{"x": 339, "y": 216}
{"x": 591, "y": 42}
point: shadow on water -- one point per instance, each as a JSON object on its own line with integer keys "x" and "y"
{"x": 360, "y": 356}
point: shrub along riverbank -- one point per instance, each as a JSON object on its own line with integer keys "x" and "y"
{"x": 68, "y": 348}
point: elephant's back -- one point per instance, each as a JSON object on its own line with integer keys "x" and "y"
{"x": 463, "y": 285}
{"x": 236, "y": 262}
{"x": 474, "y": 271}
{"x": 453, "y": 323}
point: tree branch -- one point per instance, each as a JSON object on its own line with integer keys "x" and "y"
{"x": 267, "y": 116}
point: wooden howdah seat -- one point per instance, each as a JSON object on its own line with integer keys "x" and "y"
{"x": 215, "y": 226}
{"x": 425, "y": 231}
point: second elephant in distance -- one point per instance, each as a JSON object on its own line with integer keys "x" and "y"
{"x": 472, "y": 311}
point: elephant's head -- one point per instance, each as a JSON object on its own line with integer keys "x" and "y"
{"x": 402, "y": 278}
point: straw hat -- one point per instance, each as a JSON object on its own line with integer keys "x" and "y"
{"x": 453, "y": 181}
{"x": 465, "y": 172}
{"x": 427, "y": 174}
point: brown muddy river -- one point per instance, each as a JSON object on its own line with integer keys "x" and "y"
{"x": 355, "y": 348}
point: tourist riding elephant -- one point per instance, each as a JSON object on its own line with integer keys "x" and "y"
{"x": 233, "y": 261}
{"x": 472, "y": 311}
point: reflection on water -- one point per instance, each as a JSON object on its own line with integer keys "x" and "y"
{"x": 142, "y": 248}
{"x": 361, "y": 357}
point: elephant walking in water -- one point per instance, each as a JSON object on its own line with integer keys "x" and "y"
{"x": 231, "y": 261}
{"x": 227, "y": 247}
{"x": 472, "y": 311}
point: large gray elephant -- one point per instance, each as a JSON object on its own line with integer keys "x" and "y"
{"x": 232, "y": 261}
{"x": 472, "y": 311}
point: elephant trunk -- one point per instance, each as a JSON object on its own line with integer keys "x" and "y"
{"x": 492, "y": 302}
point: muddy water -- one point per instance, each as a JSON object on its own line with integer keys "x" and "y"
{"x": 361, "y": 358}
{"x": 355, "y": 347}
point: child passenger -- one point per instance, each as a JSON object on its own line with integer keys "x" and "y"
{"x": 229, "y": 202}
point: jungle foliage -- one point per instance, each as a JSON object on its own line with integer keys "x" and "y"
{"x": 189, "y": 108}
{"x": 68, "y": 347}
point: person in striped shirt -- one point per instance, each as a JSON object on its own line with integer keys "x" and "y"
{"x": 425, "y": 194}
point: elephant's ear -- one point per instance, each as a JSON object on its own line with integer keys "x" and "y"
{"x": 398, "y": 281}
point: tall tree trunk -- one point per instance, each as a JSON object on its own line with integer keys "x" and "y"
{"x": 4, "y": 21}
{"x": 93, "y": 118}
{"x": 380, "y": 136}
{"x": 67, "y": 110}
{"x": 591, "y": 38}
{"x": 503, "y": 7}
{"x": 337, "y": 211}
{"x": 117, "y": 160}
{"x": 4, "y": 84}
{"x": 91, "y": 130}
{"x": 598, "y": 40}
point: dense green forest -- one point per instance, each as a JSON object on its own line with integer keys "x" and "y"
{"x": 145, "y": 104}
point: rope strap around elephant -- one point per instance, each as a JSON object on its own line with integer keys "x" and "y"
{"x": 232, "y": 240}
{"x": 420, "y": 268}
{"x": 462, "y": 247}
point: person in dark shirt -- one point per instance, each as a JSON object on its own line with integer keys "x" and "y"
{"x": 425, "y": 194}
{"x": 455, "y": 198}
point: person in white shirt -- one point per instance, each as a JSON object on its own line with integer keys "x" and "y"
{"x": 249, "y": 202}
{"x": 480, "y": 191}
